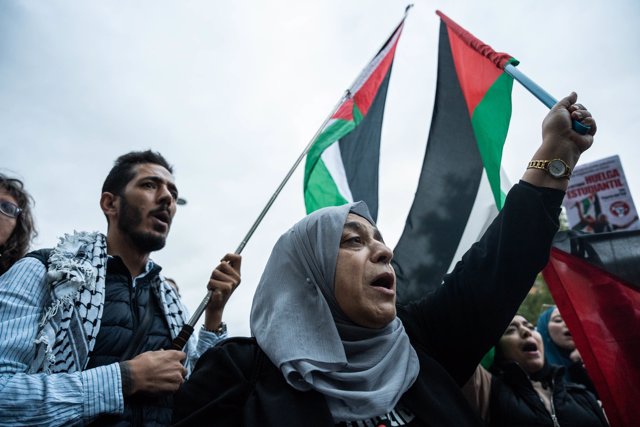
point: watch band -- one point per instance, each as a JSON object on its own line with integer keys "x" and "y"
{"x": 538, "y": 164}
{"x": 545, "y": 166}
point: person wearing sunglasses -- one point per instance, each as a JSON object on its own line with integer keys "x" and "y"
{"x": 17, "y": 228}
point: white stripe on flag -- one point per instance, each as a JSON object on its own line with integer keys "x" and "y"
{"x": 371, "y": 66}
{"x": 332, "y": 159}
{"x": 483, "y": 212}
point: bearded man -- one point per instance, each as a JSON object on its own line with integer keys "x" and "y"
{"x": 83, "y": 325}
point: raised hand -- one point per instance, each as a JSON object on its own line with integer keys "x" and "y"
{"x": 224, "y": 279}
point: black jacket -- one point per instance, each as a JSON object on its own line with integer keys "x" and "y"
{"x": 514, "y": 401}
{"x": 450, "y": 329}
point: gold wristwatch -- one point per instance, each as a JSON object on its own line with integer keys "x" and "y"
{"x": 557, "y": 168}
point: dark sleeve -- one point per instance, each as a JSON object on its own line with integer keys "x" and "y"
{"x": 578, "y": 374}
{"x": 218, "y": 386}
{"x": 235, "y": 384}
{"x": 463, "y": 318}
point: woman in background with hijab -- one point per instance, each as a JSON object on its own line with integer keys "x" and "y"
{"x": 560, "y": 349}
{"x": 17, "y": 227}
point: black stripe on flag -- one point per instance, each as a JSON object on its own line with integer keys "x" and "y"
{"x": 360, "y": 151}
{"x": 448, "y": 185}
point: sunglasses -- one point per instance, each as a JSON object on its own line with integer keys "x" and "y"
{"x": 9, "y": 209}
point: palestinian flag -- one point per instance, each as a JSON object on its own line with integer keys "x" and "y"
{"x": 342, "y": 164}
{"x": 595, "y": 281}
{"x": 589, "y": 204}
{"x": 588, "y": 207}
{"x": 461, "y": 175}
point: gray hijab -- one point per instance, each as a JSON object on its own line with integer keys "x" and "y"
{"x": 297, "y": 322}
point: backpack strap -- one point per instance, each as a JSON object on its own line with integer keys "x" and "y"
{"x": 41, "y": 255}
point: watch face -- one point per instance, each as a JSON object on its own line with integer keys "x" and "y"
{"x": 557, "y": 168}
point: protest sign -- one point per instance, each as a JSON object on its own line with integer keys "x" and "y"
{"x": 598, "y": 199}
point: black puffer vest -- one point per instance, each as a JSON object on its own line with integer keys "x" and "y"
{"x": 124, "y": 312}
{"x": 514, "y": 401}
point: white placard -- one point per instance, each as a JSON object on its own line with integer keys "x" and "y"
{"x": 598, "y": 199}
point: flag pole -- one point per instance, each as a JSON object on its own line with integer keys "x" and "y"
{"x": 187, "y": 329}
{"x": 501, "y": 61}
{"x": 542, "y": 95}
{"x": 345, "y": 96}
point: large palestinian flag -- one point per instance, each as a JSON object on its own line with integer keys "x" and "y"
{"x": 342, "y": 164}
{"x": 461, "y": 176}
{"x": 595, "y": 281}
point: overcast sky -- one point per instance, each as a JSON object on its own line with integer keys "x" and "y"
{"x": 231, "y": 92}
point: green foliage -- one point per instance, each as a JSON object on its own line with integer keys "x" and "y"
{"x": 537, "y": 301}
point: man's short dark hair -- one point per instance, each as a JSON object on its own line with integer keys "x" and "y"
{"x": 123, "y": 169}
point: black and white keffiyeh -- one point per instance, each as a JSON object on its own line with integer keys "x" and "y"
{"x": 71, "y": 321}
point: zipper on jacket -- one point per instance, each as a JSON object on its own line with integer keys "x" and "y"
{"x": 136, "y": 410}
{"x": 554, "y": 417}
{"x": 133, "y": 303}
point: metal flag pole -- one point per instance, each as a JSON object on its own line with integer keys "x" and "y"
{"x": 544, "y": 97}
{"x": 498, "y": 60}
{"x": 187, "y": 329}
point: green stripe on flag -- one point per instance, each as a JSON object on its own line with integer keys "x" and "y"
{"x": 333, "y": 133}
{"x": 490, "y": 123}
{"x": 321, "y": 190}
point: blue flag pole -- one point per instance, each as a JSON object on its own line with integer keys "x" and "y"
{"x": 544, "y": 97}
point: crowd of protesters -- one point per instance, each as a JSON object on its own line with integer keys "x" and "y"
{"x": 86, "y": 327}
{"x": 329, "y": 342}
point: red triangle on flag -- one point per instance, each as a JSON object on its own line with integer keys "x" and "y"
{"x": 477, "y": 64}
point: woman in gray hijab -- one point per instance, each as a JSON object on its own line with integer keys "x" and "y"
{"x": 303, "y": 320}
{"x": 331, "y": 347}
